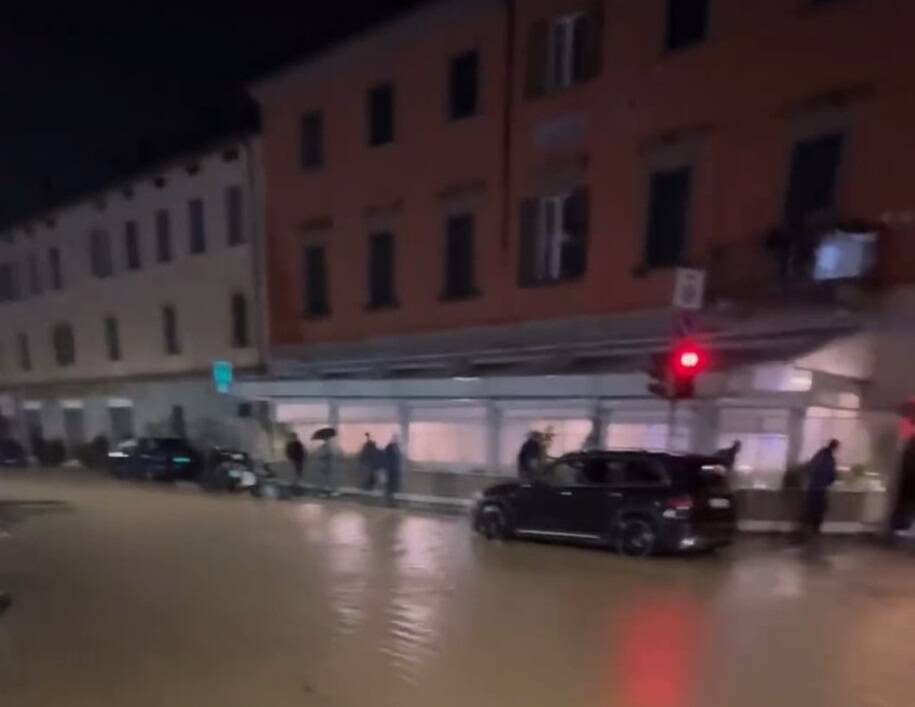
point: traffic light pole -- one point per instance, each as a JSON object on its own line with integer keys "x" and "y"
{"x": 671, "y": 419}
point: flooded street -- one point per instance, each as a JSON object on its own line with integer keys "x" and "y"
{"x": 141, "y": 595}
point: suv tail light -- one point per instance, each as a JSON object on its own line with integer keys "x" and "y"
{"x": 680, "y": 503}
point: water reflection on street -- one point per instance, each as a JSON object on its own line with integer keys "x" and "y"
{"x": 145, "y": 595}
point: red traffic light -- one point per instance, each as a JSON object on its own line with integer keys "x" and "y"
{"x": 688, "y": 360}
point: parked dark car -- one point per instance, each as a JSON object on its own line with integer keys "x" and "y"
{"x": 639, "y": 503}
{"x": 12, "y": 453}
{"x": 157, "y": 458}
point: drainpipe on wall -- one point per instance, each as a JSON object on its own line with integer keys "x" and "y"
{"x": 257, "y": 227}
{"x": 507, "y": 123}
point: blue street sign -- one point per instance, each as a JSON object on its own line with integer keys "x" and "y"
{"x": 222, "y": 376}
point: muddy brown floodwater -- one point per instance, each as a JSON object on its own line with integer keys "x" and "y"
{"x": 142, "y": 595}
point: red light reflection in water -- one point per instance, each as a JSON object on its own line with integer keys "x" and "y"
{"x": 659, "y": 653}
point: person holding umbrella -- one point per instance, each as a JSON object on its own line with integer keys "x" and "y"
{"x": 326, "y": 459}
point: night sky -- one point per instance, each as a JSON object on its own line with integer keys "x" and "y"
{"x": 91, "y": 91}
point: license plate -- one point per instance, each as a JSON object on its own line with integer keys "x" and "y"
{"x": 719, "y": 503}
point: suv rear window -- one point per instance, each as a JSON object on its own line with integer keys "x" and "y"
{"x": 698, "y": 475}
{"x": 171, "y": 446}
{"x": 642, "y": 472}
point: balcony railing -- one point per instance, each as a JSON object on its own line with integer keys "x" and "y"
{"x": 807, "y": 266}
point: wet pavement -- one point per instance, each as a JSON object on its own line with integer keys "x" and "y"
{"x": 142, "y": 595}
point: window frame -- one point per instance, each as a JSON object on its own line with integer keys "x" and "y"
{"x": 839, "y": 133}
{"x": 101, "y": 260}
{"x": 654, "y": 221}
{"x": 112, "y": 339}
{"x": 241, "y": 330}
{"x": 382, "y": 294}
{"x": 456, "y": 110}
{"x": 320, "y": 307}
{"x": 170, "y": 336}
{"x": 55, "y": 269}
{"x": 197, "y": 240}
{"x": 691, "y": 42}
{"x": 235, "y": 215}
{"x": 449, "y": 292}
{"x": 562, "y": 77}
{"x": 63, "y": 343}
{"x": 311, "y": 140}
{"x": 164, "y": 251}
{"x": 34, "y": 268}
{"x": 376, "y": 135}
{"x": 24, "y": 351}
{"x": 132, "y": 256}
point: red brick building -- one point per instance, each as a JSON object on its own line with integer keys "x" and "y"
{"x": 499, "y": 190}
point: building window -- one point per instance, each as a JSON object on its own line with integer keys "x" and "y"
{"x": 315, "y": 291}
{"x": 812, "y": 183}
{"x": 459, "y": 279}
{"x": 34, "y": 275}
{"x": 687, "y": 22}
{"x": 381, "y": 114}
{"x": 197, "y": 227}
{"x": 100, "y": 254}
{"x": 234, "y": 221}
{"x": 8, "y": 291}
{"x": 64, "y": 344}
{"x": 312, "y": 145}
{"x": 112, "y": 339}
{"x": 25, "y": 353}
{"x": 54, "y": 266}
{"x": 554, "y": 237}
{"x": 565, "y": 50}
{"x": 170, "y": 330}
{"x": 464, "y": 80}
{"x": 240, "y": 321}
{"x": 381, "y": 270}
{"x": 163, "y": 236}
{"x": 668, "y": 214}
{"x": 132, "y": 245}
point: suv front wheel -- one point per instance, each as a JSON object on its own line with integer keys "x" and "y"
{"x": 493, "y": 522}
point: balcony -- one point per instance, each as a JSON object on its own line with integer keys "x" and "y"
{"x": 834, "y": 263}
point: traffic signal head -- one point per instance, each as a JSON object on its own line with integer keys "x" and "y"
{"x": 686, "y": 362}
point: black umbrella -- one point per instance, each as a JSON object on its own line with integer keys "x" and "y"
{"x": 325, "y": 433}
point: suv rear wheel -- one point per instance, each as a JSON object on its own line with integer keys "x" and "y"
{"x": 636, "y": 537}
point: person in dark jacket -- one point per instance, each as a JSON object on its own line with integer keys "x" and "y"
{"x": 904, "y": 508}
{"x": 369, "y": 461}
{"x": 821, "y": 474}
{"x": 392, "y": 463}
{"x": 728, "y": 455}
{"x": 530, "y": 456}
{"x": 297, "y": 455}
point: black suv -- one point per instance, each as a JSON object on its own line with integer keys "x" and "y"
{"x": 640, "y": 503}
{"x": 155, "y": 458}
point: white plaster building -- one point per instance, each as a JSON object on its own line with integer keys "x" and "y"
{"x": 113, "y": 309}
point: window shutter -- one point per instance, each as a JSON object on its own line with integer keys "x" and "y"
{"x": 529, "y": 225}
{"x": 537, "y": 41}
{"x": 576, "y": 219}
{"x": 589, "y": 37}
